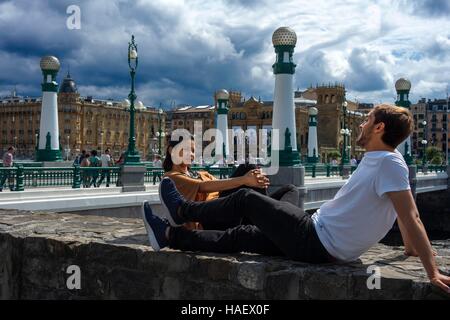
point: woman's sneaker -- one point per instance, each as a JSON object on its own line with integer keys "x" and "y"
{"x": 171, "y": 201}
{"x": 156, "y": 228}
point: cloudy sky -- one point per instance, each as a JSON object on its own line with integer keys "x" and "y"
{"x": 188, "y": 49}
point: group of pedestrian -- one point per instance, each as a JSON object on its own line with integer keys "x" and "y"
{"x": 93, "y": 160}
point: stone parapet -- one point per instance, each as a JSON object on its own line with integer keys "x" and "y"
{"x": 116, "y": 262}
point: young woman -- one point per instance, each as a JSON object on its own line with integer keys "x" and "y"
{"x": 203, "y": 186}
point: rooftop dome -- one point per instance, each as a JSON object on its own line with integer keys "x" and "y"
{"x": 140, "y": 105}
{"x": 284, "y": 36}
{"x": 222, "y": 94}
{"x": 50, "y": 63}
{"x": 126, "y": 103}
{"x": 313, "y": 111}
{"x": 402, "y": 84}
{"x": 68, "y": 85}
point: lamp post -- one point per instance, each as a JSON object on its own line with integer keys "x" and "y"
{"x": 132, "y": 155}
{"x": 37, "y": 140}
{"x": 101, "y": 142}
{"x": 424, "y": 154}
{"x": 67, "y": 148}
{"x": 344, "y": 132}
{"x": 160, "y": 134}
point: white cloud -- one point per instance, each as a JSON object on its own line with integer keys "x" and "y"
{"x": 188, "y": 49}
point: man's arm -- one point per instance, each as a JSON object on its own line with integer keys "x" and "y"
{"x": 408, "y": 216}
{"x": 409, "y": 248}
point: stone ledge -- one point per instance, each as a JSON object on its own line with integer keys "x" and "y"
{"x": 116, "y": 263}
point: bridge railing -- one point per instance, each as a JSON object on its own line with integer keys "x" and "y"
{"x": 19, "y": 177}
{"x": 324, "y": 170}
{"x": 153, "y": 174}
{"x": 431, "y": 168}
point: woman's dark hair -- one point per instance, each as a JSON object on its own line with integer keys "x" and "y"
{"x": 168, "y": 163}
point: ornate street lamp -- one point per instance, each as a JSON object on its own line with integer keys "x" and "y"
{"x": 160, "y": 134}
{"x": 132, "y": 155}
{"x": 424, "y": 125}
{"x": 67, "y": 148}
{"x": 345, "y": 133}
{"x": 424, "y": 154}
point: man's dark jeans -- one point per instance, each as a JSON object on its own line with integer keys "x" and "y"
{"x": 278, "y": 228}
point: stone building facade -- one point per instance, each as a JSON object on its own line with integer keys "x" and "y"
{"x": 84, "y": 123}
{"x": 436, "y": 115}
{"x": 257, "y": 114}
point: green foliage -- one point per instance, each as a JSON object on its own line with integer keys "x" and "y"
{"x": 334, "y": 154}
{"x": 433, "y": 152}
{"x": 437, "y": 160}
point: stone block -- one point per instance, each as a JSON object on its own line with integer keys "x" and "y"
{"x": 132, "y": 178}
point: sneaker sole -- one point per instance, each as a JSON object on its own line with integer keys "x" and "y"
{"x": 167, "y": 214}
{"x": 150, "y": 233}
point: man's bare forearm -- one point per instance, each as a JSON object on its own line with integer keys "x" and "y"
{"x": 409, "y": 248}
{"x": 421, "y": 244}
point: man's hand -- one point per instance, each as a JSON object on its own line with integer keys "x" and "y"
{"x": 256, "y": 179}
{"x": 441, "y": 281}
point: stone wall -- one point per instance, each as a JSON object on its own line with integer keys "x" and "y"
{"x": 116, "y": 263}
{"x": 434, "y": 208}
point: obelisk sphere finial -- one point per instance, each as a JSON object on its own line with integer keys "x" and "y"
{"x": 284, "y": 36}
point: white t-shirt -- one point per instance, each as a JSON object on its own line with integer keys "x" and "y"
{"x": 106, "y": 160}
{"x": 157, "y": 164}
{"x": 361, "y": 214}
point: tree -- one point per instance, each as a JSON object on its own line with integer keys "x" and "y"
{"x": 333, "y": 154}
{"x": 437, "y": 160}
{"x": 432, "y": 153}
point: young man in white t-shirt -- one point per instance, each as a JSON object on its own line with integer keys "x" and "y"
{"x": 106, "y": 162}
{"x": 360, "y": 214}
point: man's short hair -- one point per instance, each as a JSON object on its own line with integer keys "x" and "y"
{"x": 398, "y": 123}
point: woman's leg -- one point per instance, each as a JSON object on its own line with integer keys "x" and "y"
{"x": 284, "y": 224}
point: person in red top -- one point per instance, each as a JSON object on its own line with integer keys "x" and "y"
{"x": 7, "y": 163}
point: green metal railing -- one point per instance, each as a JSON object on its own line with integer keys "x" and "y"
{"x": 325, "y": 170}
{"x": 430, "y": 168}
{"x": 47, "y": 177}
{"x": 19, "y": 177}
{"x": 153, "y": 174}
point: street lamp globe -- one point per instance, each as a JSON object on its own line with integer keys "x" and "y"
{"x": 222, "y": 95}
{"x": 133, "y": 54}
{"x": 313, "y": 111}
{"x": 424, "y": 122}
{"x": 342, "y": 131}
{"x": 345, "y": 104}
